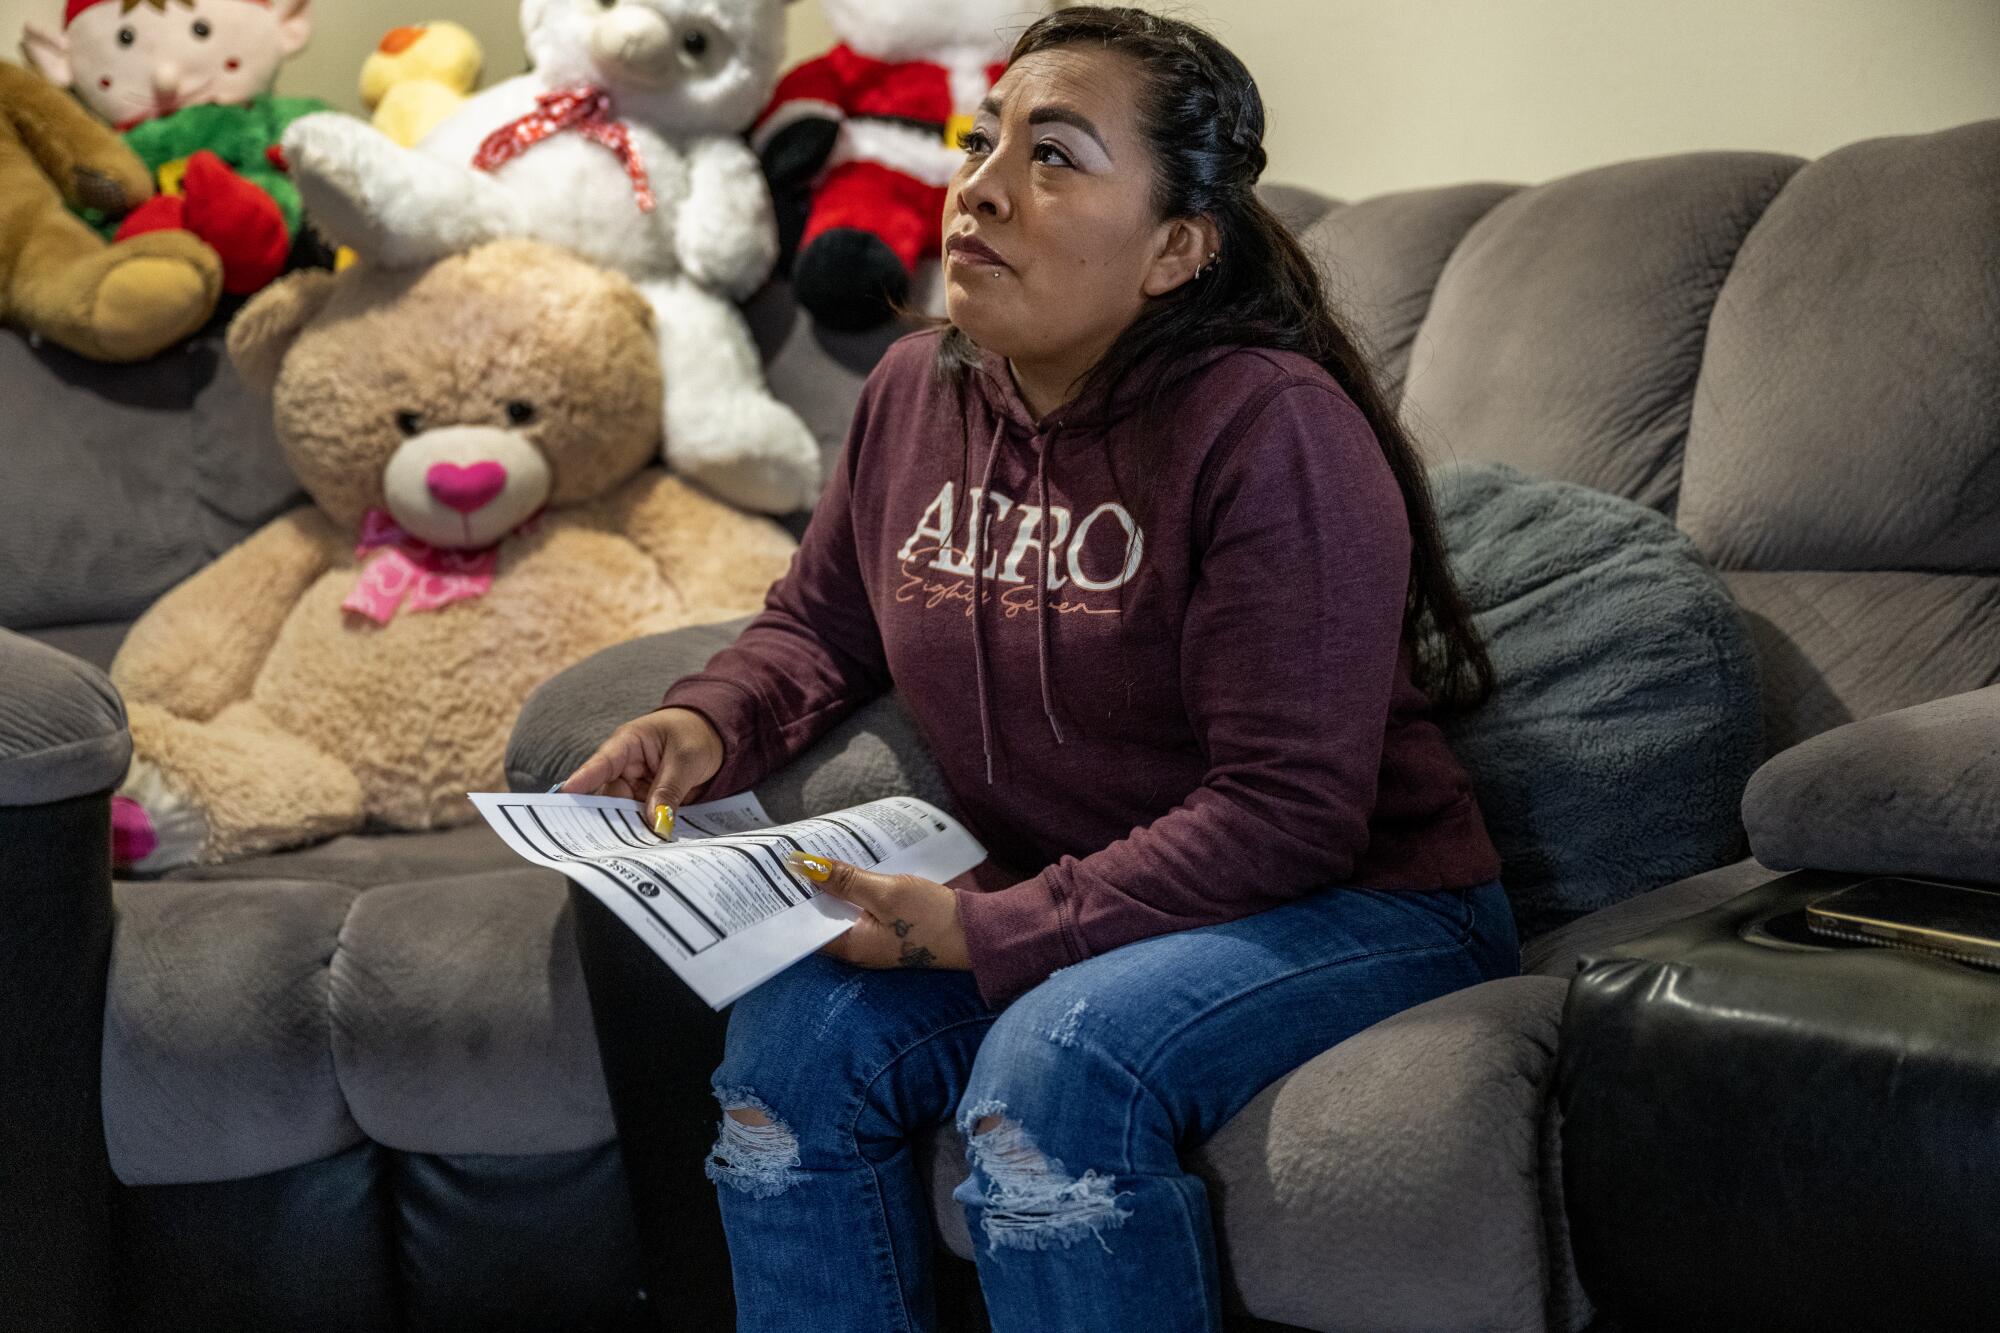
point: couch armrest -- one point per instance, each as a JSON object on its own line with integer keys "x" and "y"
{"x": 62, "y": 726}
{"x": 1913, "y": 792}
{"x": 1409, "y": 1176}
{"x": 63, "y": 747}
{"x": 875, "y": 752}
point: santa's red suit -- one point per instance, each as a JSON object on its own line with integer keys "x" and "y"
{"x": 874, "y": 142}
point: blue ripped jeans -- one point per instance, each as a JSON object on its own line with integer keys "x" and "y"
{"x": 1076, "y": 1102}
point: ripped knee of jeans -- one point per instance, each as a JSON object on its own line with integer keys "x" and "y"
{"x": 1030, "y": 1202}
{"x": 755, "y": 1152}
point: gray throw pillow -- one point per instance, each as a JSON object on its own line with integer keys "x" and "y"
{"x": 1612, "y": 757}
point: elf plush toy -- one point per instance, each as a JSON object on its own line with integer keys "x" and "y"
{"x": 870, "y": 131}
{"x": 187, "y": 83}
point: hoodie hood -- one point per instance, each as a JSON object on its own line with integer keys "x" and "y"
{"x": 1089, "y": 411}
{"x": 1076, "y": 422}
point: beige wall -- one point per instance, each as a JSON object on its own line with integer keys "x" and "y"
{"x": 1368, "y": 97}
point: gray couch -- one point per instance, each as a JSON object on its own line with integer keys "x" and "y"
{"x": 356, "y": 1087}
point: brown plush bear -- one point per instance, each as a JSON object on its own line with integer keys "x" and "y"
{"x": 60, "y": 279}
{"x": 475, "y": 437}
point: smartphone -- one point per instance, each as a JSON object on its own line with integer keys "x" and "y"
{"x": 1952, "y": 919}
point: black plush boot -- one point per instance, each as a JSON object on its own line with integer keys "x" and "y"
{"x": 849, "y": 279}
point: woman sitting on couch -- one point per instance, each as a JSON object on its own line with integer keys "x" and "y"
{"x": 1177, "y": 650}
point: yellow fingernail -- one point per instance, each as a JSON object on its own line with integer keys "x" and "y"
{"x": 812, "y": 867}
{"x": 663, "y": 820}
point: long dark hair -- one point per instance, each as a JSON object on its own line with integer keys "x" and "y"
{"x": 1203, "y": 120}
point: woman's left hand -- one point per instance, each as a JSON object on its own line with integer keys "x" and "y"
{"x": 905, "y": 921}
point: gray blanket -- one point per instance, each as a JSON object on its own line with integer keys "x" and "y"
{"x": 1614, "y": 755}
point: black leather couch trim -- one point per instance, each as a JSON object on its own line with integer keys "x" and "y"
{"x": 55, "y": 953}
{"x": 1762, "y": 1131}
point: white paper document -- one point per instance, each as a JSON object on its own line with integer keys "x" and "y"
{"x": 718, "y": 903}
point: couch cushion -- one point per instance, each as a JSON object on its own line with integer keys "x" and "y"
{"x": 461, "y": 1023}
{"x": 218, "y": 1054}
{"x": 118, "y": 481}
{"x": 1613, "y": 755}
{"x": 419, "y": 989}
{"x": 1835, "y": 646}
{"x": 62, "y": 726}
{"x": 1381, "y": 258}
{"x": 1913, "y": 792}
{"x": 1850, "y": 388}
{"x": 1567, "y": 328}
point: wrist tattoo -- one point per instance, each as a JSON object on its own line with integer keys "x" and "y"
{"x": 916, "y": 955}
{"x": 901, "y": 927}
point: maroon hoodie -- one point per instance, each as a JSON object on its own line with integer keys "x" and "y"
{"x": 1210, "y": 713}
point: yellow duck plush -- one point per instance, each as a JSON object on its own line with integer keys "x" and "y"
{"x": 417, "y": 76}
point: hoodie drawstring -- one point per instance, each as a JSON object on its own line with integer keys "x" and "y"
{"x": 978, "y": 583}
{"x": 1041, "y": 594}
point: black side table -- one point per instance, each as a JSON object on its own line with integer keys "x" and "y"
{"x": 1763, "y": 1128}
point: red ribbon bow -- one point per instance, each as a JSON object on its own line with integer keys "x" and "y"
{"x": 585, "y": 109}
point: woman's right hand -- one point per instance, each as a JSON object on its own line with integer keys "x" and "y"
{"x": 662, "y": 758}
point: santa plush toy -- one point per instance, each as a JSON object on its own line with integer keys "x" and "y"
{"x": 860, "y": 143}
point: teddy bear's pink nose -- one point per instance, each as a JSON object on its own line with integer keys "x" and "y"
{"x": 465, "y": 488}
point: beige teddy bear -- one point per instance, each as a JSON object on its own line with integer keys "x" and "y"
{"x": 475, "y": 438}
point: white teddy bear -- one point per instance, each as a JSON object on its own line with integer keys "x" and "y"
{"x": 623, "y": 144}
